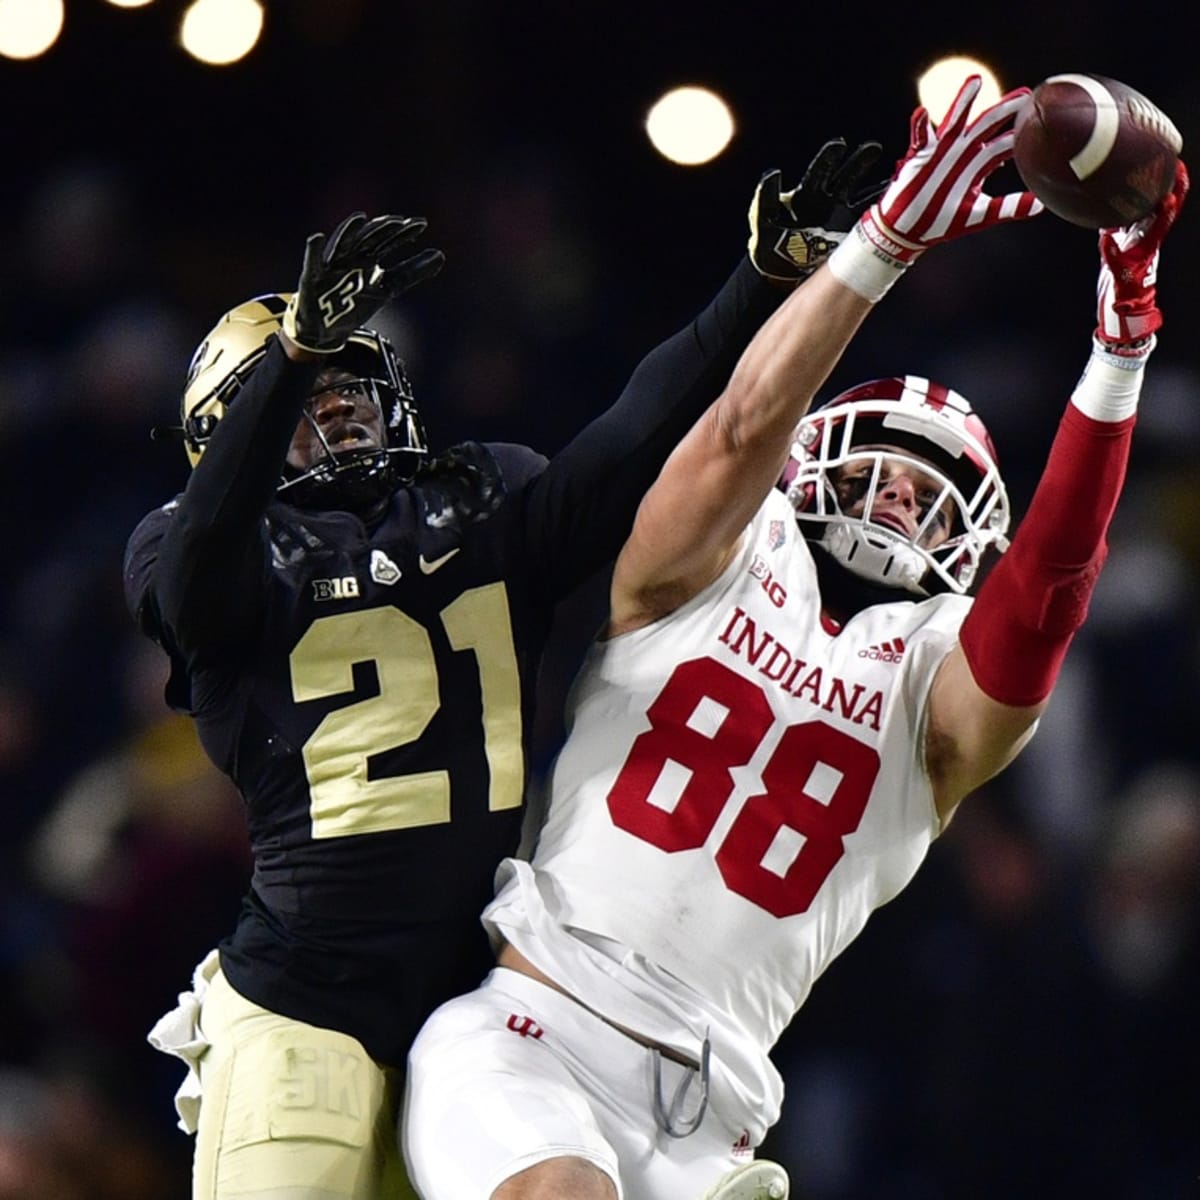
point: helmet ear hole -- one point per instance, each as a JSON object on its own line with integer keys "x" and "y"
{"x": 929, "y": 428}
{"x": 201, "y": 428}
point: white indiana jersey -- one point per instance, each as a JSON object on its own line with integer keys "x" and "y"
{"x": 742, "y": 785}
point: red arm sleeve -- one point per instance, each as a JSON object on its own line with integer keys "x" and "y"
{"x": 1029, "y": 608}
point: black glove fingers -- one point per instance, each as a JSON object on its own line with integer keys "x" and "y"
{"x": 809, "y": 202}
{"x": 844, "y": 183}
{"x": 411, "y": 271}
{"x": 313, "y": 253}
{"x": 383, "y": 232}
{"x": 391, "y": 246}
{"x": 824, "y": 165}
{"x": 367, "y": 236}
{"x": 867, "y": 194}
{"x": 768, "y": 193}
{"x": 343, "y": 236}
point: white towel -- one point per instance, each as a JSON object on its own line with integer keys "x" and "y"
{"x": 178, "y": 1032}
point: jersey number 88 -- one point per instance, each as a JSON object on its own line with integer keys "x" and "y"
{"x": 817, "y": 783}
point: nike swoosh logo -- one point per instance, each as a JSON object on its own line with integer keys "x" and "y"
{"x": 428, "y": 568}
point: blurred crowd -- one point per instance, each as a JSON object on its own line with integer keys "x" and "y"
{"x": 1020, "y": 1022}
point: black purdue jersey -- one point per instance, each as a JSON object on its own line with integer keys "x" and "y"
{"x": 371, "y": 690}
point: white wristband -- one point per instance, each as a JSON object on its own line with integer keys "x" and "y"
{"x": 864, "y": 266}
{"x": 1111, "y": 384}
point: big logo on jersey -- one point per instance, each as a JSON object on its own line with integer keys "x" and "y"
{"x": 786, "y": 839}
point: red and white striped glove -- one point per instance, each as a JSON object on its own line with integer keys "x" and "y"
{"x": 936, "y": 193}
{"x": 1127, "y": 312}
{"x": 1127, "y": 309}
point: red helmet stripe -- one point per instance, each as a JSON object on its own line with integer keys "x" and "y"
{"x": 937, "y": 396}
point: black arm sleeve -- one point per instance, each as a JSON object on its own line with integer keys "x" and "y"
{"x": 581, "y": 508}
{"x": 213, "y": 557}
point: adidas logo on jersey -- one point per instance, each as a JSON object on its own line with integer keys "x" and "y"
{"x": 888, "y": 652}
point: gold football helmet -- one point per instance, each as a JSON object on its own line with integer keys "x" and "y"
{"x": 233, "y": 348}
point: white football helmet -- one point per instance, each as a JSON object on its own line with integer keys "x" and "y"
{"x": 915, "y": 422}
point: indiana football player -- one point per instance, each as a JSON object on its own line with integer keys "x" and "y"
{"x": 795, "y": 691}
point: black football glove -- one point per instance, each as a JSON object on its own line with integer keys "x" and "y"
{"x": 793, "y": 233}
{"x": 349, "y": 276}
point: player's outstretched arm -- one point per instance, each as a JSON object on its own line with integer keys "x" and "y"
{"x": 582, "y": 507}
{"x": 690, "y": 523}
{"x": 995, "y": 683}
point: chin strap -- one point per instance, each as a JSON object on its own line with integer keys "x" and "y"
{"x": 874, "y": 555}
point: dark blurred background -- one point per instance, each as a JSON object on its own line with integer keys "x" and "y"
{"x": 1021, "y": 1022}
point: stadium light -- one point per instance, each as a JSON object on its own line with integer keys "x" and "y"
{"x": 690, "y": 125}
{"x": 219, "y": 32}
{"x": 939, "y": 84}
{"x": 28, "y": 28}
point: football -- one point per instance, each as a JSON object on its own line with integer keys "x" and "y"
{"x": 1094, "y": 151}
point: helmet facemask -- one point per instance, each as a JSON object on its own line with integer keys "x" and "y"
{"x": 357, "y": 479}
{"x": 913, "y": 425}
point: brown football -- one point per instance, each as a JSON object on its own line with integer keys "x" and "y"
{"x": 1094, "y": 151}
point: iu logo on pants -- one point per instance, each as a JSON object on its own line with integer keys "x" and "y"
{"x": 525, "y": 1026}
